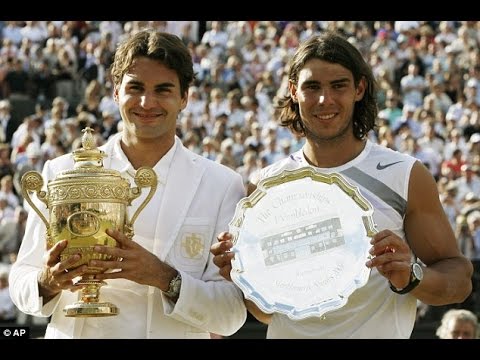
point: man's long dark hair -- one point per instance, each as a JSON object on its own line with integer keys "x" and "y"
{"x": 334, "y": 48}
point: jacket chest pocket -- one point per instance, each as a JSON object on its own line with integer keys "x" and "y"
{"x": 192, "y": 246}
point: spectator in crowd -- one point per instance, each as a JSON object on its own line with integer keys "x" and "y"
{"x": 458, "y": 324}
{"x": 6, "y": 166}
{"x": 34, "y": 161}
{"x": 6, "y": 191}
{"x": 8, "y": 311}
{"x": 8, "y": 124}
{"x": 11, "y": 233}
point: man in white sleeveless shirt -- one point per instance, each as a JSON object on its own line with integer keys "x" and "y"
{"x": 331, "y": 102}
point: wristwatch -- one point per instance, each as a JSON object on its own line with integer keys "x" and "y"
{"x": 416, "y": 275}
{"x": 173, "y": 290}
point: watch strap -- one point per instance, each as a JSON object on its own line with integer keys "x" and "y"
{"x": 412, "y": 285}
{"x": 414, "y": 281}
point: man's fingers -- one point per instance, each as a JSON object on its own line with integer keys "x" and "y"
{"x": 106, "y": 264}
{"x": 223, "y": 256}
{"x": 221, "y": 247}
{"x": 110, "y": 275}
{"x": 223, "y": 259}
{"x": 69, "y": 263}
{"x": 113, "y": 252}
{"x": 75, "y": 288}
{"x": 53, "y": 255}
{"x": 58, "y": 247}
{"x": 223, "y": 236}
{"x": 122, "y": 240}
{"x": 225, "y": 272}
{"x": 67, "y": 267}
{"x": 79, "y": 271}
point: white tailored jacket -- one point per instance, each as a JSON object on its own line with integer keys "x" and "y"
{"x": 199, "y": 198}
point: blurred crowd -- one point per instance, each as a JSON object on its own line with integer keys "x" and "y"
{"x": 54, "y": 81}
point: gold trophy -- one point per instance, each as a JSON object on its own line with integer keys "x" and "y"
{"x": 83, "y": 202}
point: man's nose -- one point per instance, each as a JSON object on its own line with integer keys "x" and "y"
{"x": 324, "y": 97}
{"x": 147, "y": 100}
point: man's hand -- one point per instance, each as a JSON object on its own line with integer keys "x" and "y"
{"x": 392, "y": 259}
{"x": 58, "y": 275}
{"x": 133, "y": 262}
{"x": 223, "y": 257}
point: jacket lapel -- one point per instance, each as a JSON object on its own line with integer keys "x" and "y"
{"x": 183, "y": 180}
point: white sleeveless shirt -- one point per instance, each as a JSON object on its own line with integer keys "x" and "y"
{"x": 373, "y": 311}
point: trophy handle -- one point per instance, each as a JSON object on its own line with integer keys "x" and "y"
{"x": 33, "y": 181}
{"x": 145, "y": 177}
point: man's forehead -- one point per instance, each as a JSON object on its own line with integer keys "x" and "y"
{"x": 327, "y": 71}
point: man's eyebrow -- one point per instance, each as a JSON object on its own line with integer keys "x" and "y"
{"x": 336, "y": 81}
{"x": 310, "y": 82}
{"x": 341, "y": 80}
{"x": 165, "y": 85}
{"x": 134, "y": 82}
{"x": 161, "y": 85}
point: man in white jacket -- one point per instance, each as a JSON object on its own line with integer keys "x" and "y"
{"x": 162, "y": 289}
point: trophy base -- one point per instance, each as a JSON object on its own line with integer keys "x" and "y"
{"x": 93, "y": 309}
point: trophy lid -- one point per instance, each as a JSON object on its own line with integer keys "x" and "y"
{"x": 88, "y": 181}
{"x": 88, "y": 160}
{"x": 88, "y": 155}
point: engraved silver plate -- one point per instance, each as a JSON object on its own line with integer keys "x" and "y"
{"x": 301, "y": 240}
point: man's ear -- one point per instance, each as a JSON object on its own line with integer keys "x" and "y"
{"x": 184, "y": 101}
{"x": 360, "y": 90}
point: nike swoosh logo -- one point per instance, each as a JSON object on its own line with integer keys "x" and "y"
{"x": 382, "y": 167}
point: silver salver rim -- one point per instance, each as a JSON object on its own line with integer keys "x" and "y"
{"x": 235, "y": 228}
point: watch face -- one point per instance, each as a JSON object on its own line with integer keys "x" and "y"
{"x": 417, "y": 271}
{"x": 176, "y": 284}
